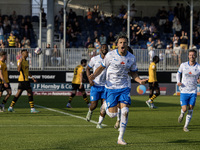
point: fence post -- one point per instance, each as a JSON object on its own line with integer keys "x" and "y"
{"x": 164, "y": 63}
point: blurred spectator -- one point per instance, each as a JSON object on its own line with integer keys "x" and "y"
{"x": 15, "y": 27}
{"x": 88, "y": 42}
{"x": 48, "y": 52}
{"x": 18, "y": 56}
{"x": 71, "y": 15}
{"x": 134, "y": 39}
{"x": 95, "y": 13}
{"x": 89, "y": 15}
{"x": 123, "y": 32}
{"x": 22, "y": 23}
{"x": 17, "y": 43}
{"x": 122, "y": 12}
{"x": 182, "y": 13}
{"x": 196, "y": 38}
{"x": 176, "y": 10}
{"x": 184, "y": 40}
{"x": 77, "y": 28}
{"x": 110, "y": 39}
{"x": 170, "y": 15}
{"x": 145, "y": 31}
{"x": 150, "y": 44}
{"x": 114, "y": 46}
{"x": 168, "y": 53}
{"x": 102, "y": 16}
{"x": 177, "y": 54}
{"x": 95, "y": 36}
{"x": 28, "y": 23}
{"x": 7, "y": 26}
{"x": 177, "y": 28}
{"x": 91, "y": 50}
{"x": 175, "y": 22}
{"x": 26, "y": 32}
{"x": 97, "y": 45}
{"x": 175, "y": 39}
{"x": 28, "y": 44}
{"x": 11, "y": 40}
{"x": 163, "y": 16}
{"x": 152, "y": 28}
{"x": 167, "y": 27}
{"x": 102, "y": 39}
{"x": 14, "y": 15}
{"x": 133, "y": 11}
{"x": 25, "y": 42}
{"x": 61, "y": 29}
{"x": 56, "y": 56}
{"x": 44, "y": 20}
{"x": 151, "y": 54}
{"x": 1, "y": 32}
{"x": 159, "y": 44}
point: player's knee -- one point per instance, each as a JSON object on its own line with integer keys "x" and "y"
{"x": 111, "y": 115}
{"x": 125, "y": 111}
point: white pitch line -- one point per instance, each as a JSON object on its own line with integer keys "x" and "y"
{"x": 68, "y": 114}
{"x": 44, "y": 125}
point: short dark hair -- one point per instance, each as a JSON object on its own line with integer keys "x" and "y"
{"x": 3, "y": 53}
{"x": 83, "y": 61}
{"x": 121, "y": 36}
{"x": 193, "y": 50}
{"x": 23, "y": 50}
{"x": 155, "y": 59}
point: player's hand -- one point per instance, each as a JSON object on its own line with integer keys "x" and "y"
{"x": 91, "y": 82}
{"x": 6, "y": 85}
{"x": 80, "y": 86}
{"x": 153, "y": 84}
{"x": 143, "y": 81}
{"x": 179, "y": 84}
{"x": 91, "y": 77}
{"x": 34, "y": 80}
{"x": 198, "y": 80}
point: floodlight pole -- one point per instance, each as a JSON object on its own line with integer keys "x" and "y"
{"x": 128, "y": 23}
{"x": 191, "y": 23}
{"x": 40, "y": 25}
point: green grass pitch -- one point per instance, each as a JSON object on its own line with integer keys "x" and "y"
{"x": 55, "y": 129}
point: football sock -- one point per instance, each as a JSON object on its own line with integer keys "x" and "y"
{"x": 85, "y": 98}
{"x": 5, "y": 99}
{"x": 182, "y": 113}
{"x": 124, "y": 121}
{"x": 71, "y": 97}
{"x": 14, "y": 101}
{"x": 102, "y": 110}
{"x": 100, "y": 119}
{"x": 30, "y": 98}
{"x": 119, "y": 114}
{"x": 188, "y": 118}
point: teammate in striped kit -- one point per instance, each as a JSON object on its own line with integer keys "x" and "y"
{"x": 188, "y": 85}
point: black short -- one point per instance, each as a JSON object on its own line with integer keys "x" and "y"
{"x": 156, "y": 85}
{"x": 3, "y": 88}
{"x": 24, "y": 85}
{"x": 75, "y": 87}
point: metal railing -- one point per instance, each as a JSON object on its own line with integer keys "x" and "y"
{"x": 68, "y": 59}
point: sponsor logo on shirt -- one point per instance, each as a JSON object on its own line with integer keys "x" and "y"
{"x": 122, "y": 63}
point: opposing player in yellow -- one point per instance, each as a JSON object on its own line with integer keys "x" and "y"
{"x": 153, "y": 83}
{"x": 24, "y": 83}
{"x": 77, "y": 83}
{"x": 4, "y": 82}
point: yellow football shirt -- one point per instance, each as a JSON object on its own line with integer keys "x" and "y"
{"x": 152, "y": 72}
{"x": 24, "y": 72}
{"x": 4, "y": 70}
{"x": 77, "y": 72}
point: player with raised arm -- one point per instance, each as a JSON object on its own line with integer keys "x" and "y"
{"x": 4, "y": 83}
{"x": 77, "y": 83}
{"x": 153, "y": 83}
{"x": 190, "y": 71}
{"x": 118, "y": 63}
{"x": 97, "y": 91}
{"x": 24, "y": 83}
